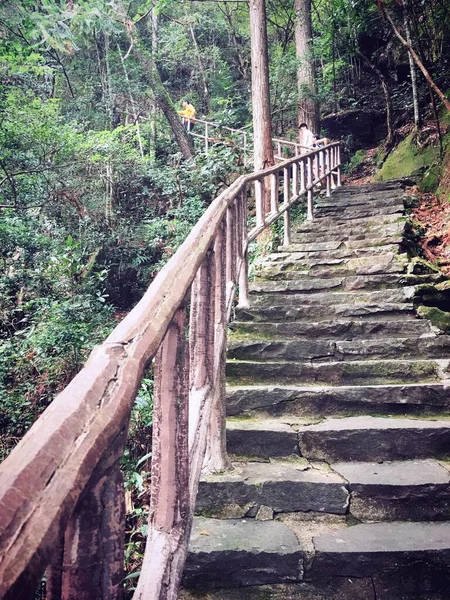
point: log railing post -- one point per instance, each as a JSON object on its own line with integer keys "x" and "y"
{"x": 287, "y": 213}
{"x": 338, "y": 162}
{"x": 302, "y": 175}
{"x": 169, "y": 506}
{"x": 274, "y": 193}
{"x": 216, "y": 459}
{"x": 259, "y": 202}
{"x": 243, "y": 301}
{"x": 295, "y": 180}
{"x": 310, "y": 201}
{"x": 328, "y": 170}
{"x": 206, "y": 138}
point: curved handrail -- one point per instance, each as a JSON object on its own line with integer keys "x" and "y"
{"x": 61, "y": 493}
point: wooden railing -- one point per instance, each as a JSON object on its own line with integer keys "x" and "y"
{"x": 210, "y": 133}
{"x": 61, "y": 489}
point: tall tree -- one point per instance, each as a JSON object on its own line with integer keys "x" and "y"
{"x": 262, "y": 121}
{"x": 412, "y": 69}
{"x": 414, "y": 55}
{"x": 308, "y": 106}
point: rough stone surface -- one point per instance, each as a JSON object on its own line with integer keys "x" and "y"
{"x": 241, "y": 553}
{"x": 335, "y": 300}
{"x": 368, "y": 549}
{"x": 283, "y": 486}
{"x": 265, "y": 513}
{"x": 320, "y": 400}
{"x": 371, "y": 438}
{"x": 416, "y": 490}
{"x": 266, "y": 439}
{"x": 341, "y": 588}
{"x": 334, "y": 373}
{"x": 337, "y": 329}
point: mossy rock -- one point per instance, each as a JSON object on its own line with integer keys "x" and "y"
{"x": 420, "y": 266}
{"x": 438, "y": 318}
{"x": 408, "y": 160}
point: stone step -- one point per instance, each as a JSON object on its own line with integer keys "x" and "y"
{"x": 311, "y": 256}
{"x": 342, "y": 284}
{"x": 374, "y": 439}
{"x": 395, "y": 308}
{"x": 413, "y": 490}
{"x": 336, "y": 245}
{"x": 261, "y": 438}
{"x": 281, "y": 486}
{"x": 366, "y": 372}
{"x": 326, "y": 224}
{"x": 359, "y": 212}
{"x": 405, "y": 560}
{"x": 343, "y": 234}
{"x": 325, "y": 350}
{"x": 370, "y": 200}
{"x": 367, "y": 265}
{"x": 342, "y": 329}
{"x": 319, "y": 401}
{"x": 241, "y": 553}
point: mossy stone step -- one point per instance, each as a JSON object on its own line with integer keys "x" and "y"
{"x": 241, "y": 553}
{"x": 319, "y": 401}
{"x": 412, "y": 490}
{"x": 326, "y": 350}
{"x": 365, "y": 372}
{"x": 339, "y": 244}
{"x": 326, "y": 224}
{"x": 282, "y": 486}
{"x": 350, "y": 283}
{"x": 374, "y": 439}
{"x": 269, "y": 308}
{"x": 342, "y": 329}
{"x": 352, "y": 234}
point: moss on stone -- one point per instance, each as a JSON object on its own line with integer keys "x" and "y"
{"x": 420, "y": 266}
{"x": 438, "y": 318}
{"x": 408, "y": 160}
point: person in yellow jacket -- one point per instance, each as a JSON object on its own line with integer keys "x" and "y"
{"x": 187, "y": 115}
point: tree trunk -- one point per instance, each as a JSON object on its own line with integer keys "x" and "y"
{"x": 412, "y": 68}
{"x": 387, "y": 96}
{"x": 262, "y": 122}
{"x": 165, "y": 104}
{"x": 202, "y": 71}
{"x": 308, "y": 107}
{"x": 414, "y": 55}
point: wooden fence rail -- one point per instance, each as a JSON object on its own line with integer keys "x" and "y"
{"x": 61, "y": 489}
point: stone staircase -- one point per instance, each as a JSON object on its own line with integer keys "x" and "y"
{"x": 339, "y": 424}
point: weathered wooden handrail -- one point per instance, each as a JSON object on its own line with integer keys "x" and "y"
{"x": 61, "y": 490}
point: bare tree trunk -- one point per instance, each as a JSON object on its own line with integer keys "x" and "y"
{"x": 414, "y": 55}
{"x": 412, "y": 68}
{"x": 241, "y": 63}
{"x": 133, "y": 105}
{"x": 308, "y": 107}
{"x": 387, "y": 96}
{"x": 164, "y": 102}
{"x": 262, "y": 122}
{"x": 202, "y": 71}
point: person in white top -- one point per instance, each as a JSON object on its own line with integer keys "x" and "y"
{"x": 305, "y": 137}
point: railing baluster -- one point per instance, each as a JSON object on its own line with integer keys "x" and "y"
{"x": 274, "y": 193}
{"x": 287, "y": 213}
{"x": 231, "y": 250}
{"x": 302, "y": 175}
{"x": 206, "y": 138}
{"x": 243, "y": 301}
{"x": 338, "y": 162}
{"x": 295, "y": 180}
{"x": 310, "y": 201}
{"x": 259, "y": 202}
{"x": 216, "y": 458}
{"x": 328, "y": 170}
{"x": 169, "y": 506}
